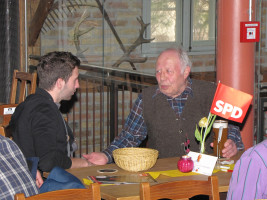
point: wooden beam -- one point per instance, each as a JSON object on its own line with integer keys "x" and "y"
{"x": 38, "y": 20}
{"x": 22, "y": 35}
{"x": 32, "y": 6}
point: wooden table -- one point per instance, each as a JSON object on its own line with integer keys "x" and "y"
{"x": 131, "y": 191}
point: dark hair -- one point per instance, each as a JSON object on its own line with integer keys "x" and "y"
{"x": 55, "y": 65}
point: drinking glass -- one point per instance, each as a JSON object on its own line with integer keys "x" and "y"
{"x": 220, "y": 129}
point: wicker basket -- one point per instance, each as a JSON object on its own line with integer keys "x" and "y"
{"x": 135, "y": 159}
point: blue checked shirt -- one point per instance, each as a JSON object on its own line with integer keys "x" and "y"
{"x": 14, "y": 174}
{"x": 135, "y": 131}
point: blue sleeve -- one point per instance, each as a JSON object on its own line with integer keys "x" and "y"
{"x": 133, "y": 133}
{"x": 234, "y": 134}
{"x": 33, "y": 165}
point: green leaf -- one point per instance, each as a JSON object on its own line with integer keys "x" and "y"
{"x": 211, "y": 123}
{"x": 197, "y": 134}
{"x": 213, "y": 117}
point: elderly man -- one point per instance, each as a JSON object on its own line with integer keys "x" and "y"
{"x": 168, "y": 113}
{"x": 37, "y": 124}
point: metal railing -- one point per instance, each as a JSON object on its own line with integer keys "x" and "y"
{"x": 98, "y": 110}
{"x": 101, "y": 105}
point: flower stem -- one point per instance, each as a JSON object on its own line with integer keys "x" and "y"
{"x": 205, "y": 134}
{"x": 202, "y": 147}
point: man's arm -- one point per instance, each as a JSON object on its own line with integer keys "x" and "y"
{"x": 39, "y": 179}
{"x": 133, "y": 133}
{"x": 79, "y": 162}
{"x": 234, "y": 142}
{"x": 234, "y": 135}
{"x": 96, "y": 158}
{"x": 32, "y": 163}
{"x": 50, "y": 140}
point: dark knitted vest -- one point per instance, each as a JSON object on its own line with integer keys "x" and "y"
{"x": 166, "y": 132}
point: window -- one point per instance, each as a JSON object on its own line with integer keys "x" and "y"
{"x": 190, "y": 23}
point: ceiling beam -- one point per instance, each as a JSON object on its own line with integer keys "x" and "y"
{"x": 38, "y": 20}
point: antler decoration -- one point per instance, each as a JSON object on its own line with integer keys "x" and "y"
{"x": 70, "y": 7}
{"x": 78, "y": 33}
{"x": 56, "y": 12}
{"x": 140, "y": 40}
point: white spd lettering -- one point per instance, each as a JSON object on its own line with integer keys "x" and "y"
{"x": 224, "y": 108}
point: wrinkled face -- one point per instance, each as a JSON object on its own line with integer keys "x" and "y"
{"x": 171, "y": 80}
{"x": 70, "y": 86}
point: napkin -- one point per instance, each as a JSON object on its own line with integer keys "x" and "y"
{"x": 170, "y": 173}
{"x": 177, "y": 173}
{"x": 87, "y": 181}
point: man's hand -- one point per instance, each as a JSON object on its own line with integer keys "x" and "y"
{"x": 80, "y": 162}
{"x": 96, "y": 158}
{"x": 39, "y": 179}
{"x": 229, "y": 150}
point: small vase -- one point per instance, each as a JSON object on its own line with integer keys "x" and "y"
{"x": 202, "y": 148}
{"x": 185, "y": 164}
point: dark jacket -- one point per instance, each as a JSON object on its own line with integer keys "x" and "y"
{"x": 38, "y": 128}
{"x": 161, "y": 119}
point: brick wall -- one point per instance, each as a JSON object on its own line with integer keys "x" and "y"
{"x": 123, "y": 16}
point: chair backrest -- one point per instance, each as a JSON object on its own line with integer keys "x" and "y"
{"x": 24, "y": 78}
{"x": 2, "y": 131}
{"x": 181, "y": 189}
{"x": 6, "y": 111}
{"x": 93, "y": 193}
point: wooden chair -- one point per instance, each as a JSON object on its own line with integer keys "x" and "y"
{"x": 19, "y": 83}
{"x": 181, "y": 189}
{"x": 2, "y": 131}
{"x": 6, "y": 111}
{"x": 93, "y": 193}
{"x": 24, "y": 78}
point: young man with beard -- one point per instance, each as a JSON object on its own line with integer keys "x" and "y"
{"x": 37, "y": 125}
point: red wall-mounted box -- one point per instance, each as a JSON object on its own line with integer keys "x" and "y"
{"x": 249, "y": 31}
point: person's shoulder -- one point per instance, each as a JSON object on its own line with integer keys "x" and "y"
{"x": 151, "y": 90}
{"x": 7, "y": 144}
{"x": 40, "y": 99}
{"x": 261, "y": 147}
{"x": 258, "y": 151}
{"x": 39, "y": 94}
{"x": 35, "y": 104}
{"x": 4, "y": 139}
{"x": 202, "y": 87}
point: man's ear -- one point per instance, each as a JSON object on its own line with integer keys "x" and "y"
{"x": 186, "y": 72}
{"x": 60, "y": 83}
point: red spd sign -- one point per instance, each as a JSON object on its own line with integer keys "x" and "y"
{"x": 230, "y": 103}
